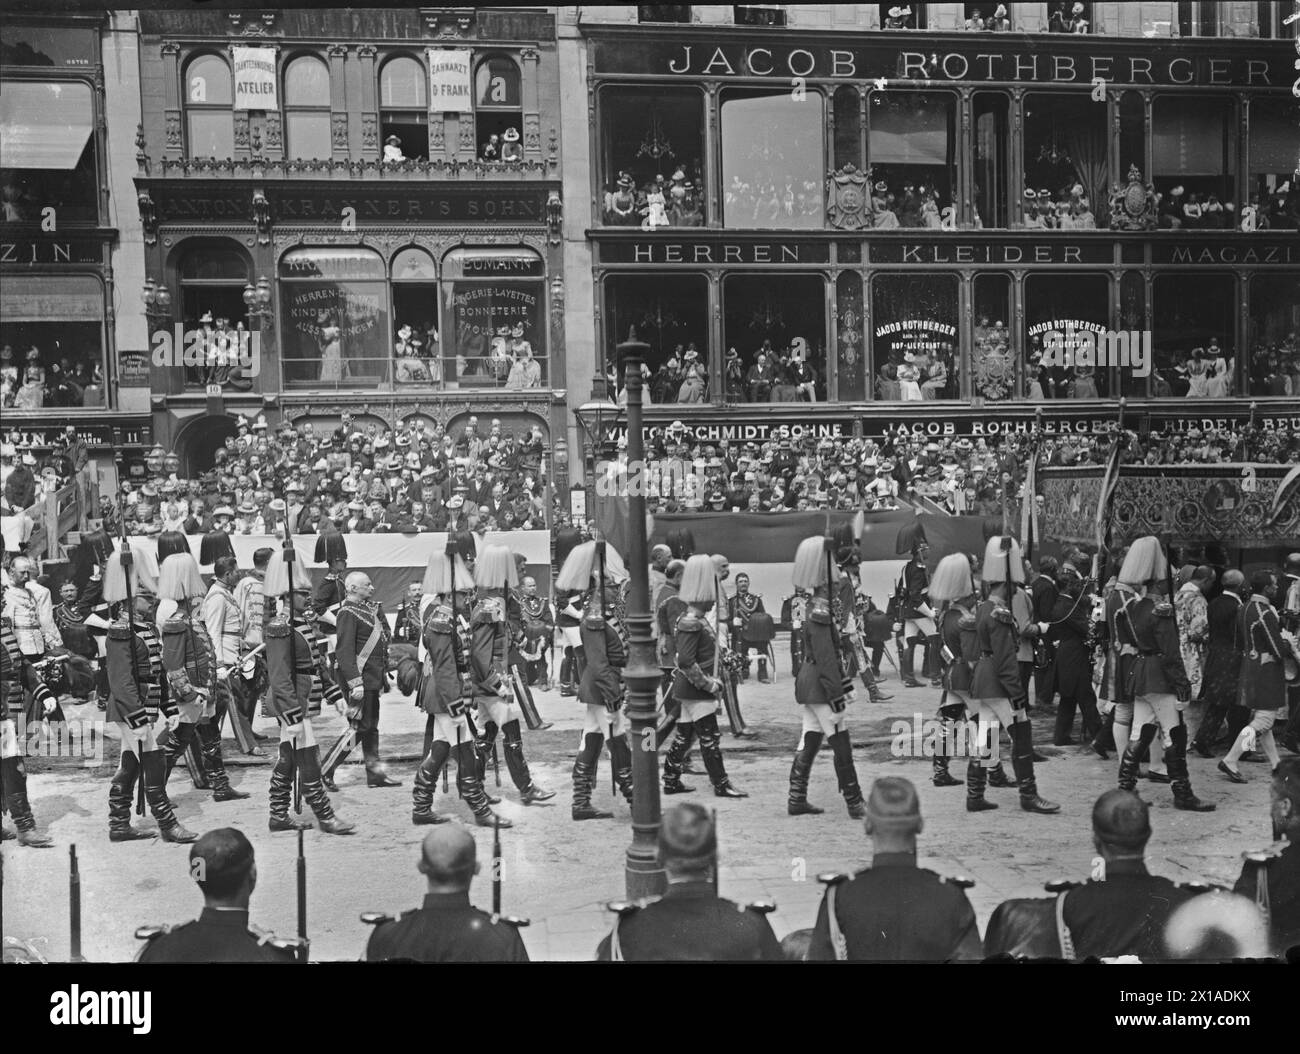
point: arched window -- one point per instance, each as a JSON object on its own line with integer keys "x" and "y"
{"x": 498, "y": 106}
{"x": 417, "y": 345}
{"x": 307, "y": 108}
{"x": 495, "y": 320}
{"x": 209, "y": 101}
{"x": 212, "y": 280}
{"x": 404, "y": 105}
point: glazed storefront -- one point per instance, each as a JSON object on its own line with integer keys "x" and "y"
{"x": 978, "y": 200}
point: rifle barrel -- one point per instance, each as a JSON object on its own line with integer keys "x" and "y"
{"x": 302, "y": 890}
{"x": 74, "y": 905}
{"x": 496, "y": 865}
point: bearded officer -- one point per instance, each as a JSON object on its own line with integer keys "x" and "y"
{"x": 690, "y": 922}
{"x": 447, "y": 927}
{"x": 1271, "y": 877}
{"x": 223, "y": 866}
{"x": 894, "y": 910}
{"x": 742, "y": 606}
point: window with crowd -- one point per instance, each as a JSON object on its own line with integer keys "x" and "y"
{"x": 404, "y": 106}
{"x": 773, "y": 167}
{"x": 652, "y": 157}
{"x": 498, "y": 109}
{"x": 912, "y": 158}
{"x": 47, "y": 160}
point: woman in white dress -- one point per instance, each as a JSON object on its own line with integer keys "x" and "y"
{"x": 1197, "y": 384}
{"x": 1216, "y": 379}
{"x": 330, "y": 338}
{"x": 908, "y": 380}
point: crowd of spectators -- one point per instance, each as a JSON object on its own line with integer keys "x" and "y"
{"x": 37, "y": 378}
{"x": 665, "y": 201}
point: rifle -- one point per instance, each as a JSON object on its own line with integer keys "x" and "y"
{"x": 715, "y": 856}
{"x": 600, "y": 595}
{"x": 289, "y": 554}
{"x": 74, "y": 905}
{"x": 455, "y": 630}
{"x": 496, "y": 865}
{"x": 128, "y": 561}
{"x": 305, "y": 941}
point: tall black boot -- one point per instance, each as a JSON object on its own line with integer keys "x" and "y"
{"x": 872, "y": 680}
{"x": 428, "y": 736}
{"x": 376, "y": 771}
{"x": 426, "y": 779}
{"x": 1022, "y": 760}
{"x": 282, "y": 790}
{"x": 1104, "y": 741}
{"x": 1176, "y": 760}
{"x": 517, "y": 765}
{"x": 173, "y": 744}
{"x": 763, "y": 678}
{"x": 349, "y": 736}
{"x": 471, "y": 788}
{"x": 154, "y": 774}
{"x": 120, "y": 794}
{"x": 933, "y": 662}
{"x": 214, "y": 765}
{"x": 976, "y": 778}
{"x": 675, "y": 757}
{"x": 585, "y": 766}
{"x": 797, "y": 803}
{"x": 313, "y": 791}
{"x": 1133, "y": 751}
{"x": 620, "y": 756}
{"x": 711, "y": 752}
{"x": 1088, "y": 708}
{"x": 566, "y": 673}
{"x": 13, "y": 785}
{"x": 948, "y": 716}
{"x": 846, "y": 773}
{"x": 477, "y": 768}
{"x": 905, "y": 664}
{"x": 1064, "y": 722}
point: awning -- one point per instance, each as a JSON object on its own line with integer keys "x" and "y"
{"x": 43, "y": 125}
{"x": 50, "y": 298}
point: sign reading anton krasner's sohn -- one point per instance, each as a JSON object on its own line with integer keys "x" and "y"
{"x": 1266, "y": 65}
{"x": 254, "y": 79}
{"x": 449, "y": 81}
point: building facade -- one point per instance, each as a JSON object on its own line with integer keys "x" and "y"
{"x": 70, "y": 88}
{"x": 899, "y": 212}
{"x": 359, "y": 210}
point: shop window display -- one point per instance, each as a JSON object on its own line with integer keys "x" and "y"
{"x": 910, "y": 154}
{"x": 994, "y": 369}
{"x": 773, "y": 160}
{"x": 776, "y": 324}
{"x": 652, "y": 146}
{"x": 1193, "y": 326}
{"x": 915, "y": 336}
{"x": 1077, "y": 307}
{"x": 496, "y": 313}
{"x": 1064, "y": 162}
{"x": 51, "y": 342}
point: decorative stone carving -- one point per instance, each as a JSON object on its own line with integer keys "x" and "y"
{"x": 1133, "y": 205}
{"x": 339, "y": 131}
{"x": 173, "y": 129}
{"x": 241, "y": 129}
{"x": 274, "y": 134}
{"x": 554, "y": 217}
{"x": 449, "y": 22}
{"x": 262, "y": 217}
{"x": 848, "y": 199}
{"x": 148, "y": 217}
{"x": 169, "y": 47}
{"x": 467, "y": 144}
{"x": 370, "y": 131}
{"x": 532, "y": 133}
{"x": 437, "y": 136}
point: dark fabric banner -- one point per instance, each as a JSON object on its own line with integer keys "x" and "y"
{"x": 772, "y": 537}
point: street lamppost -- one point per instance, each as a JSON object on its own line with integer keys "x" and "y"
{"x": 257, "y": 300}
{"x": 643, "y": 874}
{"x": 157, "y": 301}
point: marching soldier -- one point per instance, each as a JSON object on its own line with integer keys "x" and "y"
{"x": 222, "y": 864}
{"x": 297, "y": 683}
{"x": 494, "y": 573}
{"x": 248, "y": 686}
{"x": 742, "y": 607}
{"x": 1263, "y": 684}
{"x": 823, "y": 688}
{"x": 224, "y": 622}
{"x": 568, "y": 616}
{"x": 697, "y": 680}
{"x": 845, "y": 605}
{"x": 601, "y": 689}
{"x": 447, "y": 927}
{"x": 361, "y": 654}
{"x": 444, "y": 696}
{"x": 997, "y": 693}
{"x": 1121, "y": 910}
{"x": 1161, "y": 690}
{"x": 17, "y": 676}
{"x": 1271, "y": 877}
{"x": 1117, "y": 682}
{"x": 953, "y": 590}
{"x": 189, "y": 660}
{"x": 916, "y": 626}
{"x": 136, "y": 683}
{"x": 517, "y": 662}
{"x": 893, "y": 910}
{"x": 690, "y": 922}
{"x": 1043, "y": 594}
{"x": 1288, "y": 601}
{"x": 794, "y": 609}
{"x": 669, "y": 607}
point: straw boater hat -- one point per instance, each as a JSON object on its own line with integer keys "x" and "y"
{"x": 952, "y": 579}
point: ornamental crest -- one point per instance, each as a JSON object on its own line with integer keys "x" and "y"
{"x": 848, "y": 203}
{"x": 1133, "y": 206}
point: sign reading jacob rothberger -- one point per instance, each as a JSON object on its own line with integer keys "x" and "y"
{"x": 449, "y": 82}
{"x": 254, "y": 78}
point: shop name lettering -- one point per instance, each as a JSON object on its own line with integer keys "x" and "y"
{"x": 36, "y": 252}
{"x": 849, "y": 64}
{"x": 1082, "y": 426}
{"x": 678, "y": 253}
{"x": 366, "y": 208}
{"x": 932, "y": 253}
{"x": 1230, "y": 254}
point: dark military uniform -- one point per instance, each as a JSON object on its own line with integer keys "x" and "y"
{"x": 697, "y": 690}
{"x": 794, "y": 609}
{"x": 1072, "y": 661}
{"x": 537, "y": 626}
{"x": 489, "y": 655}
{"x": 918, "y": 627}
{"x": 191, "y": 668}
{"x": 740, "y": 609}
{"x": 1123, "y": 915}
{"x": 1043, "y": 594}
{"x": 447, "y": 929}
{"x": 689, "y": 923}
{"x": 327, "y": 600}
{"x": 219, "y": 935}
{"x": 567, "y": 623}
{"x": 1271, "y": 878}
{"x": 898, "y": 912}
{"x": 17, "y": 676}
{"x": 361, "y": 654}
{"x": 601, "y": 692}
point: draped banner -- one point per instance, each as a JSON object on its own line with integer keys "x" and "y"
{"x": 392, "y": 561}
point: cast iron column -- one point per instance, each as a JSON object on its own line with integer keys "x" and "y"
{"x": 645, "y": 878}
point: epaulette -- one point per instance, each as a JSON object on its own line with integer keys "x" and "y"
{"x": 1060, "y": 885}
{"x": 967, "y": 621}
{"x": 1004, "y": 616}
{"x": 376, "y": 918}
{"x": 1198, "y": 886}
{"x": 511, "y": 920}
{"x": 759, "y": 907}
{"x": 689, "y": 622}
{"x": 833, "y": 878}
{"x": 175, "y": 624}
{"x": 594, "y": 620}
{"x": 277, "y": 627}
{"x": 119, "y": 631}
{"x": 288, "y": 944}
{"x": 820, "y": 611}
{"x": 1263, "y": 856}
{"x": 440, "y": 619}
{"x": 1162, "y": 609}
{"x": 960, "y": 881}
{"x": 624, "y": 908}
{"x": 152, "y": 933}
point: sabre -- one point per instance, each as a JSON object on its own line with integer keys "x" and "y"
{"x": 128, "y": 560}
{"x": 74, "y": 906}
{"x": 289, "y": 554}
{"x": 302, "y": 901}
{"x": 715, "y": 858}
{"x": 496, "y": 865}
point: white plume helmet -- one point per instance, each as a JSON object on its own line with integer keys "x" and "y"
{"x": 699, "y": 580}
{"x": 275, "y": 583}
{"x": 438, "y": 576}
{"x": 179, "y": 578}
{"x": 994, "y": 570}
{"x": 144, "y": 573}
{"x": 810, "y": 564}
{"x": 575, "y": 573}
{"x": 952, "y": 579}
{"x": 1145, "y": 562}
{"x": 495, "y": 567}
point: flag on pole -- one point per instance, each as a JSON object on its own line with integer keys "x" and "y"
{"x": 1029, "y": 507}
{"x": 1287, "y": 492}
{"x": 1106, "y": 500}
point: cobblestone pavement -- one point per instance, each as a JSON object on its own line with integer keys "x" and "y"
{"x": 560, "y": 873}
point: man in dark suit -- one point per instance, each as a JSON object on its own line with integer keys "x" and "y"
{"x": 1043, "y": 593}
{"x": 1222, "y": 666}
{"x": 1272, "y": 876}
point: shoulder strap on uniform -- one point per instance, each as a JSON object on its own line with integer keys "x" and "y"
{"x": 1063, "y": 934}
{"x": 838, "y": 941}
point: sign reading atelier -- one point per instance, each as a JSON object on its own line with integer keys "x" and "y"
{"x": 255, "y": 78}
{"x": 449, "y": 82}
{"x": 1063, "y": 62}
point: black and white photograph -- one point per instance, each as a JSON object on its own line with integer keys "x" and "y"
{"x": 778, "y": 484}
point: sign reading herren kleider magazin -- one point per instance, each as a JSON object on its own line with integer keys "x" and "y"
{"x": 449, "y": 82}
